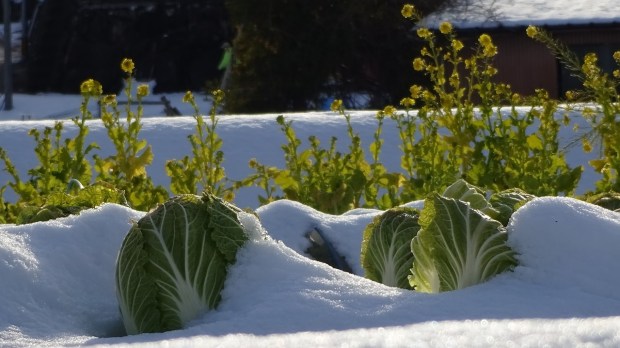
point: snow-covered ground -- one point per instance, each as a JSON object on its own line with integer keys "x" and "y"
{"x": 58, "y": 287}
{"x": 57, "y": 277}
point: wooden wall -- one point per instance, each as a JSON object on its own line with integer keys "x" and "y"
{"x": 526, "y": 64}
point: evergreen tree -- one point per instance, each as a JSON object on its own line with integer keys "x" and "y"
{"x": 293, "y": 54}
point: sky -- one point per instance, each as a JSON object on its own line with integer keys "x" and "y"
{"x": 57, "y": 277}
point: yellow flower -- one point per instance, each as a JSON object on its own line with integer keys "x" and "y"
{"x": 418, "y": 64}
{"x": 407, "y": 11}
{"x": 109, "y": 99}
{"x": 415, "y": 91}
{"x": 590, "y": 59}
{"x": 142, "y": 90}
{"x": 127, "y": 65}
{"x": 427, "y": 95}
{"x": 457, "y": 45}
{"x": 445, "y": 28}
{"x": 490, "y": 71}
{"x": 531, "y": 31}
{"x": 85, "y": 87}
{"x": 587, "y": 147}
{"x": 97, "y": 88}
{"x": 188, "y": 97}
{"x": 490, "y": 50}
{"x": 485, "y": 40}
{"x": 617, "y": 56}
{"x": 91, "y": 88}
{"x": 424, "y": 33}
{"x": 336, "y": 105}
{"x": 389, "y": 110}
{"x": 407, "y": 102}
{"x": 455, "y": 79}
{"x": 616, "y": 73}
{"x": 218, "y": 95}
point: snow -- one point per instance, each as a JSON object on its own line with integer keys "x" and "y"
{"x": 58, "y": 287}
{"x": 494, "y": 13}
{"x": 57, "y": 277}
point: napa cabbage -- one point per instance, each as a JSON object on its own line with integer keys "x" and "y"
{"x": 173, "y": 262}
{"x": 508, "y": 201}
{"x": 466, "y": 192}
{"x": 457, "y": 246}
{"x": 386, "y": 255}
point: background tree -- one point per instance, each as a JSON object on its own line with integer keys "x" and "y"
{"x": 175, "y": 43}
{"x": 294, "y": 54}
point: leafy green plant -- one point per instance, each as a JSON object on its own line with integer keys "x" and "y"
{"x": 457, "y": 246}
{"x": 8, "y": 211}
{"x": 173, "y": 262}
{"x": 463, "y": 191}
{"x": 204, "y": 169}
{"x": 386, "y": 253}
{"x": 507, "y": 202}
{"x": 63, "y": 161}
{"x": 60, "y": 204}
{"x": 327, "y": 179}
{"x": 608, "y": 200}
{"x": 462, "y": 129}
{"x": 323, "y": 178}
{"x": 604, "y": 116}
{"x": 59, "y": 161}
{"x": 126, "y": 169}
{"x": 452, "y": 243}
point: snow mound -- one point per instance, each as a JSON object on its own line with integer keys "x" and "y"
{"x": 568, "y": 243}
{"x": 58, "y": 287}
{"x": 58, "y": 276}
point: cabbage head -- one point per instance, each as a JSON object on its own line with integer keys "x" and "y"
{"x": 457, "y": 246}
{"x": 475, "y": 196}
{"x": 508, "y": 201}
{"x": 173, "y": 262}
{"x": 386, "y": 253}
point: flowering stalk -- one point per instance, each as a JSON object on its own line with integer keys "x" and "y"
{"x": 602, "y": 89}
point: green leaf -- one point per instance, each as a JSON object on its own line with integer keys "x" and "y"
{"x": 508, "y": 201}
{"x": 286, "y": 181}
{"x": 533, "y": 142}
{"x": 464, "y": 191}
{"x": 224, "y": 226}
{"x": 456, "y": 247}
{"x": 386, "y": 253}
{"x": 173, "y": 263}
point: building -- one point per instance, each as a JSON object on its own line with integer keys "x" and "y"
{"x": 525, "y": 64}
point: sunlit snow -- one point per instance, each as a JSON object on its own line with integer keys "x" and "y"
{"x": 57, "y": 278}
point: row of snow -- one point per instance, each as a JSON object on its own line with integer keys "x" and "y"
{"x": 57, "y": 287}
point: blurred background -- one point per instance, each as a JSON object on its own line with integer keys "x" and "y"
{"x": 283, "y": 55}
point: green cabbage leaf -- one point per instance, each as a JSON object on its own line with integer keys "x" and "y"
{"x": 466, "y": 192}
{"x": 457, "y": 246}
{"x": 172, "y": 264}
{"x": 508, "y": 201}
{"x": 386, "y": 253}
